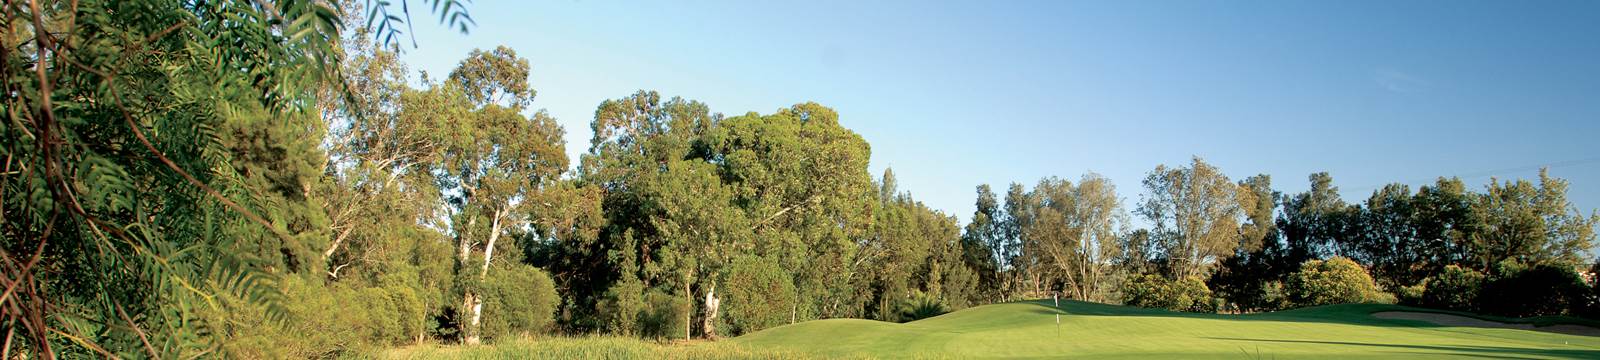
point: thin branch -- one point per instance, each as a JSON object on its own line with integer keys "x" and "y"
{"x": 142, "y": 338}
{"x": 139, "y": 133}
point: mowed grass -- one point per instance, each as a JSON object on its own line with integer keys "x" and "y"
{"x": 1089, "y": 330}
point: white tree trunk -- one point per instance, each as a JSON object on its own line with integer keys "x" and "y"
{"x": 474, "y": 300}
{"x": 712, "y": 303}
{"x": 468, "y": 300}
{"x": 488, "y": 250}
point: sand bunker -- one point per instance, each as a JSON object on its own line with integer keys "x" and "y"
{"x": 1458, "y": 320}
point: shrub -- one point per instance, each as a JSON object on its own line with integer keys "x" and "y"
{"x": 623, "y": 305}
{"x": 1155, "y": 291}
{"x": 1590, "y": 306}
{"x": 1532, "y": 291}
{"x": 1455, "y": 288}
{"x": 1411, "y": 295}
{"x": 1337, "y": 280}
{"x": 756, "y": 294}
{"x": 518, "y": 299}
{"x": 665, "y": 315}
{"x": 326, "y": 320}
{"x": 919, "y": 306}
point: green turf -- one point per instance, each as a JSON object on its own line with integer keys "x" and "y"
{"x": 1029, "y": 330}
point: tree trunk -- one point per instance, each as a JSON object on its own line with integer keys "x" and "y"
{"x": 469, "y": 301}
{"x": 422, "y": 324}
{"x": 467, "y": 296}
{"x": 688, "y": 316}
{"x": 476, "y": 300}
{"x": 494, "y": 235}
{"x": 712, "y": 302}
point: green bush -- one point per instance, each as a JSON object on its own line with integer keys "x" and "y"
{"x": 1455, "y": 288}
{"x": 919, "y": 306}
{"x": 1155, "y": 291}
{"x": 665, "y": 315}
{"x": 518, "y": 299}
{"x": 1411, "y": 295}
{"x": 756, "y": 294}
{"x": 327, "y": 320}
{"x": 1337, "y": 280}
{"x": 622, "y": 307}
{"x": 1532, "y": 291}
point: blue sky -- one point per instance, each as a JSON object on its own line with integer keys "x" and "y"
{"x": 954, "y": 94}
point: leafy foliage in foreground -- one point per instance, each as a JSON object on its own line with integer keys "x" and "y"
{"x": 156, "y": 159}
{"x": 159, "y": 160}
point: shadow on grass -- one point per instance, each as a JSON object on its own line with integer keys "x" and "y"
{"x": 1347, "y": 314}
{"x": 1463, "y": 350}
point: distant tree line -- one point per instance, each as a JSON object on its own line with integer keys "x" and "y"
{"x": 1515, "y": 248}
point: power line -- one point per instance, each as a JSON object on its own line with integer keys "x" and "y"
{"x": 1480, "y": 174}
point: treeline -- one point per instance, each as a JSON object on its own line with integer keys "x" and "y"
{"x": 451, "y": 216}
{"x": 248, "y": 179}
{"x": 1515, "y": 248}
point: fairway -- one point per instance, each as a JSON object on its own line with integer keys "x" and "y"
{"x": 1029, "y": 330}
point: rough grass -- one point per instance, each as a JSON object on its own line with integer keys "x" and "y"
{"x": 1029, "y": 330}
{"x": 595, "y": 347}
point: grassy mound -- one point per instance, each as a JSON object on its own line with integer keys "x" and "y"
{"x": 1029, "y": 330}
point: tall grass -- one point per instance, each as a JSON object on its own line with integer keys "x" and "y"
{"x": 594, "y": 347}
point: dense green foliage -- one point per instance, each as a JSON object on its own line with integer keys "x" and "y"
{"x": 1333, "y": 281}
{"x": 1156, "y": 291}
{"x": 919, "y": 306}
{"x": 761, "y": 292}
{"x": 1537, "y": 290}
{"x": 1456, "y": 288}
{"x": 521, "y": 300}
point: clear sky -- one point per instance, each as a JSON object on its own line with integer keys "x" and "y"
{"x": 954, "y": 94}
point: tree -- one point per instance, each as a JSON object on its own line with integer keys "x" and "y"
{"x": 985, "y": 240}
{"x": 495, "y": 163}
{"x": 697, "y": 232}
{"x": 1406, "y": 237}
{"x": 1024, "y": 260}
{"x": 898, "y": 247}
{"x": 802, "y": 180}
{"x": 1075, "y": 229}
{"x": 1314, "y": 222}
{"x": 1531, "y": 224}
{"x": 1196, "y": 213}
{"x": 1246, "y": 278}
